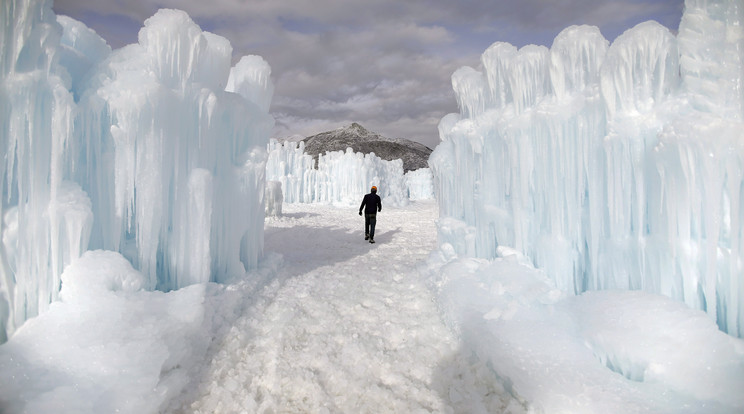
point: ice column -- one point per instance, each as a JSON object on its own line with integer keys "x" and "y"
{"x": 640, "y": 73}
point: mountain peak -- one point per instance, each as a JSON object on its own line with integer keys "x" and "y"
{"x": 355, "y": 129}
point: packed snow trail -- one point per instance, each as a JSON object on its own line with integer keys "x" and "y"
{"x": 347, "y": 326}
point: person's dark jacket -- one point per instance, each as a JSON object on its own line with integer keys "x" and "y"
{"x": 372, "y": 202}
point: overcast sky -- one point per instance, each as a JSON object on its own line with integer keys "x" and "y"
{"x": 383, "y": 63}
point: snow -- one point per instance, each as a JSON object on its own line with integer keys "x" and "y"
{"x": 604, "y": 351}
{"x": 343, "y": 328}
{"x": 610, "y": 166}
{"x": 108, "y": 345}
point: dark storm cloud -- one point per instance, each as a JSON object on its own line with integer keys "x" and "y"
{"x": 385, "y": 64}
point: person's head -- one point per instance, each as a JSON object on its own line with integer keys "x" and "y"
{"x": 374, "y": 189}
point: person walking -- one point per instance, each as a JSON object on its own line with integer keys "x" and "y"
{"x": 373, "y": 206}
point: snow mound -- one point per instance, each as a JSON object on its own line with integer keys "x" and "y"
{"x": 604, "y": 351}
{"x": 109, "y": 345}
{"x": 98, "y": 273}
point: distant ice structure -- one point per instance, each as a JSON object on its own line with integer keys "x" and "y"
{"x": 288, "y": 164}
{"x": 420, "y": 184}
{"x": 342, "y": 177}
{"x": 611, "y": 166}
{"x": 156, "y": 150}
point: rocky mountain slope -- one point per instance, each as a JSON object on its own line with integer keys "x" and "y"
{"x": 413, "y": 154}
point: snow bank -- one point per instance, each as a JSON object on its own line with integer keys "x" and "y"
{"x": 610, "y": 166}
{"x": 110, "y": 345}
{"x": 156, "y": 150}
{"x": 604, "y": 351}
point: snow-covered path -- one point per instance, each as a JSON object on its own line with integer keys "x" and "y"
{"x": 347, "y": 326}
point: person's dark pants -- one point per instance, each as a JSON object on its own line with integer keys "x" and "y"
{"x": 369, "y": 225}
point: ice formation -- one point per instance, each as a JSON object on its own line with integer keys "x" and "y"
{"x": 342, "y": 177}
{"x": 156, "y": 150}
{"x": 611, "y": 166}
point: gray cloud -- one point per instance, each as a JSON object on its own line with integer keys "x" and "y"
{"x": 384, "y": 63}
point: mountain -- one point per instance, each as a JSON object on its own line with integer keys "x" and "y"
{"x": 413, "y": 154}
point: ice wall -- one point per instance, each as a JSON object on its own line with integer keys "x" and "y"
{"x": 156, "y": 150}
{"x": 288, "y": 164}
{"x": 611, "y": 166}
{"x": 340, "y": 178}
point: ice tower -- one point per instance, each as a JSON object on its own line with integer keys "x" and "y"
{"x": 155, "y": 150}
{"x": 611, "y": 166}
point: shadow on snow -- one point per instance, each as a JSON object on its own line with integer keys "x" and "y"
{"x": 306, "y": 248}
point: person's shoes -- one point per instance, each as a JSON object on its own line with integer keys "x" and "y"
{"x": 366, "y": 237}
{"x": 371, "y": 240}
